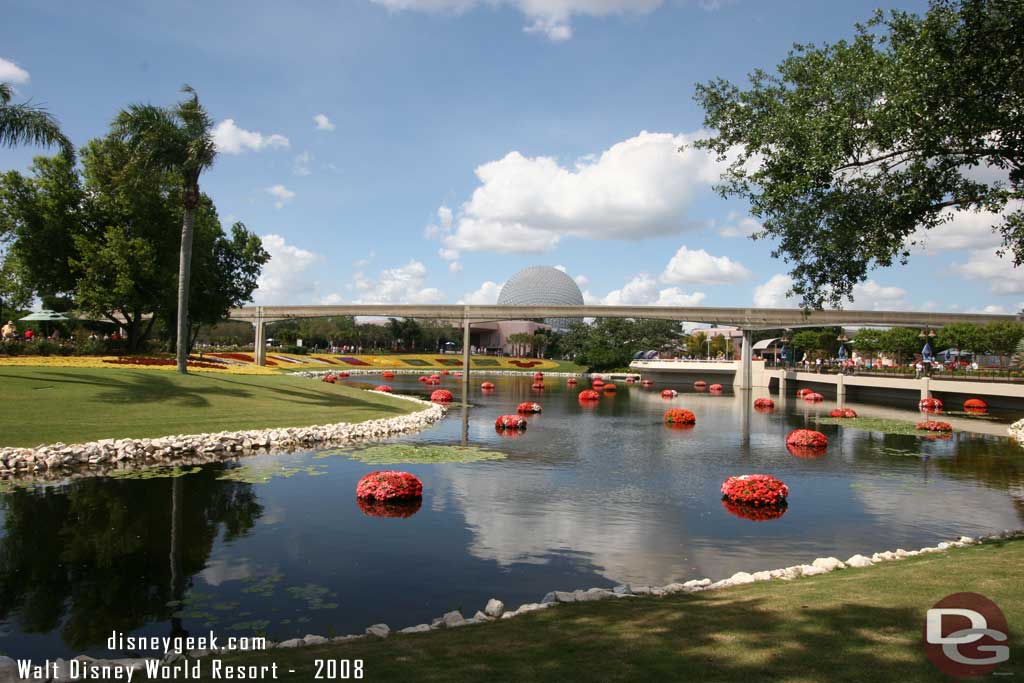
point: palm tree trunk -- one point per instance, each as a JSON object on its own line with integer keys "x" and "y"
{"x": 184, "y": 273}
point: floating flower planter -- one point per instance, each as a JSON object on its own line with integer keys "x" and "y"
{"x": 717, "y": 388}
{"x": 597, "y": 383}
{"x": 800, "y": 393}
{"x": 343, "y": 374}
{"x": 679, "y": 416}
{"x": 807, "y": 438}
{"x": 387, "y": 374}
{"x": 389, "y": 485}
{"x": 445, "y": 372}
{"x": 537, "y": 386}
{"x": 843, "y": 412}
{"x": 538, "y": 375}
{"x": 589, "y": 395}
{"x": 487, "y": 386}
{"x": 528, "y": 407}
{"x": 398, "y": 509}
{"x": 441, "y": 396}
{"x": 433, "y": 380}
{"x": 813, "y": 397}
{"x": 647, "y": 382}
{"x": 669, "y": 393}
{"x": 757, "y": 490}
{"x": 975, "y": 405}
{"x": 330, "y": 379}
{"x": 935, "y": 426}
{"x": 510, "y": 422}
{"x": 384, "y": 388}
{"x": 630, "y": 380}
{"x": 609, "y": 387}
{"x": 755, "y": 513}
{"x": 457, "y": 373}
{"x": 806, "y": 452}
{"x": 571, "y": 381}
{"x": 423, "y": 378}
{"x": 700, "y": 384}
{"x": 764, "y": 403}
{"x": 930, "y": 405}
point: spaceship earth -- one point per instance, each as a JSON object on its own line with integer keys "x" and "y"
{"x": 542, "y": 286}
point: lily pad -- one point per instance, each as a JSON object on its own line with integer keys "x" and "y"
{"x": 153, "y": 473}
{"x": 874, "y": 424}
{"x": 409, "y": 454}
{"x": 261, "y": 474}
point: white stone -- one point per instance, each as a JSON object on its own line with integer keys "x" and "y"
{"x": 311, "y": 639}
{"x": 740, "y": 578}
{"x": 294, "y": 642}
{"x": 453, "y": 619}
{"x": 622, "y": 589}
{"x": 811, "y": 570}
{"x": 943, "y": 546}
{"x": 859, "y": 561}
{"x": 495, "y": 608}
{"x": 418, "y": 628}
{"x": 828, "y": 563}
{"x": 967, "y": 540}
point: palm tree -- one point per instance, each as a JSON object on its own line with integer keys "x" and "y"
{"x": 24, "y": 124}
{"x": 178, "y": 139}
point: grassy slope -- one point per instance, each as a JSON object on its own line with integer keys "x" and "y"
{"x": 852, "y": 625}
{"x": 47, "y": 405}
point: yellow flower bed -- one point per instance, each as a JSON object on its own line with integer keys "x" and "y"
{"x": 405, "y": 361}
{"x": 97, "y": 362}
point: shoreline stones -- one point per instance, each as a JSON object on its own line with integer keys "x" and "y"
{"x": 97, "y": 458}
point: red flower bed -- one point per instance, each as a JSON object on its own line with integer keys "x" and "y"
{"x": 528, "y": 407}
{"x": 669, "y": 393}
{"x": 145, "y": 361}
{"x": 935, "y": 426}
{"x": 441, "y": 396}
{"x": 396, "y": 509}
{"x": 800, "y": 393}
{"x": 330, "y": 379}
{"x": 589, "y": 395}
{"x": 538, "y": 375}
{"x": 243, "y": 357}
{"x": 457, "y": 373}
{"x": 930, "y": 405}
{"x": 597, "y": 383}
{"x": 537, "y": 386}
{"x": 975, "y": 405}
{"x": 806, "y": 438}
{"x": 509, "y": 433}
{"x": 487, "y": 386}
{"x": 383, "y": 387}
{"x": 764, "y": 403}
{"x": 756, "y": 513}
{"x": 342, "y": 374}
{"x": 445, "y": 372}
{"x": 755, "y": 489}
{"x": 700, "y": 384}
{"x": 433, "y": 381}
{"x": 423, "y": 378}
{"x": 843, "y": 412}
{"x": 609, "y": 386}
{"x": 571, "y": 381}
{"x": 715, "y": 387}
{"x": 385, "y": 485}
{"x": 510, "y": 422}
{"x": 679, "y": 416}
{"x": 805, "y": 451}
{"x": 387, "y": 374}
{"x": 813, "y": 397}
{"x": 525, "y": 364}
{"x": 647, "y": 382}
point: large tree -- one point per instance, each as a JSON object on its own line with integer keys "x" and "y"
{"x": 178, "y": 139}
{"x": 28, "y": 124}
{"x": 851, "y": 151}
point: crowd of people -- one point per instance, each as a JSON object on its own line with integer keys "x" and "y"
{"x": 9, "y": 332}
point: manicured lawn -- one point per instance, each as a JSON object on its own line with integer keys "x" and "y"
{"x": 48, "y": 405}
{"x": 850, "y": 625}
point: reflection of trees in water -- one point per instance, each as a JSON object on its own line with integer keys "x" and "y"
{"x": 100, "y": 555}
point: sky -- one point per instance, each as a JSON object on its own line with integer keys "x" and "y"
{"x": 423, "y": 151}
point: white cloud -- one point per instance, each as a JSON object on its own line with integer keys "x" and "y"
{"x": 286, "y": 278}
{"x": 282, "y": 194}
{"x": 322, "y": 122}
{"x": 301, "y": 164}
{"x": 404, "y": 285}
{"x": 448, "y": 254}
{"x": 550, "y": 18}
{"x": 231, "y": 139}
{"x": 643, "y": 290}
{"x": 444, "y": 214}
{"x": 739, "y": 226}
{"x": 964, "y": 230}
{"x": 999, "y": 273}
{"x": 454, "y": 267}
{"x": 582, "y": 280}
{"x": 699, "y": 266}
{"x": 870, "y": 295}
{"x": 486, "y": 295}
{"x": 772, "y": 294}
{"x": 12, "y": 73}
{"x": 636, "y": 189}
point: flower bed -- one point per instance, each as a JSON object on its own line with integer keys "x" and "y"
{"x": 389, "y": 485}
{"x": 609, "y": 387}
{"x": 716, "y": 388}
{"x": 700, "y": 384}
{"x": 755, "y": 513}
{"x": 813, "y": 397}
{"x": 537, "y": 386}
{"x": 528, "y": 407}
{"x": 755, "y": 490}
{"x": 510, "y": 422}
{"x": 975, "y": 405}
{"x": 487, "y": 386}
{"x": 571, "y": 381}
{"x": 843, "y": 412}
{"x": 241, "y": 357}
{"x": 669, "y": 393}
{"x": 934, "y": 426}
{"x": 441, "y": 396}
{"x": 930, "y": 405}
{"x": 807, "y": 438}
{"x": 383, "y": 388}
{"x": 329, "y": 378}
{"x": 422, "y": 378}
{"x": 764, "y": 403}
{"x": 166, "y": 362}
{"x": 589, "y": 395}
{"x": 647, "y": 382}
{"x": 597, "y": 383}
{"x": 387, "y": 374}
{"x": 399, "y": 509}
{"x": 679, "y": 416}
{"x": 800, "y": 393}
{"x": 538, "y": 375}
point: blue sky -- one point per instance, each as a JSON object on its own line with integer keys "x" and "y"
{"x": 425, "y": 150}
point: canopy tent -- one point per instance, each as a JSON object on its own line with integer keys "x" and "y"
{"x": 768, "y": 347}
{"x": 45, "y": 316}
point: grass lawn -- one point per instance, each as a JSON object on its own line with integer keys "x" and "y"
{"x": 850, "y": 625}
{"x": 47, "y": 405}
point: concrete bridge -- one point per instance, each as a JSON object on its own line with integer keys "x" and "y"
{"x": 747, "y": 319}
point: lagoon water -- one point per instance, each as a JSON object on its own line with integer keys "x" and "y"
{"x": 587, "y": 496}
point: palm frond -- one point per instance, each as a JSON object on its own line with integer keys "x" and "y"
{"x": 6, "y": 93}
{"x": 25, "y": 124}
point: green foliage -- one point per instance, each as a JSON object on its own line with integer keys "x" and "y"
{"x": 611, "y": 342}
{"x": 901, "y": 342}
{"x": 27, "y": 124}
{"x": 850, "y": 149}
{"x": 962, "y": 337}
{"x": 868, "y": 341}
{"x": 874, "y": 424}
{"x": 1002, "y": 338}
{"x": 408, "y": 454}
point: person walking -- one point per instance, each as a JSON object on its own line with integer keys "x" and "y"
{"x": 9, "y": 331}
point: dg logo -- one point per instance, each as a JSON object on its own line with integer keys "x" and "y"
{"x": 965, "y": 635}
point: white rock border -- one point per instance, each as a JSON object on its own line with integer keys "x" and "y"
{"x": 96, "y": 458}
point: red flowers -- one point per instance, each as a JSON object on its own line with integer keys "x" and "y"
{"x": 715, "y": 388}
{"x": 329, "y": 378}
{"x": 445, "y": 372}
{"x": 571, "y": 381}
{"x": 384, "y": 388}
{"x": 538, "y": 386}
{"x": 679, "y": 416}
{"x": 930, "y": 405}
{"x": 843, "y": 412}
{"x": 935, "y": 426}
{"x": 756, "y": 513}
{"x": 647, "y": 382}
{"x": 975, "y": 405}
{"x": 755, "y": 490}
{"x": 528, "y": 407}
{"x": 597, "y": 383}
{"x": 510, "y": 422}
{"x": 800, "y": 393}
{"x": 192, "y": 362}
{"x": 487, "y": 386}
{"x": 764, "y": 403}
{"x": 422, "y": 378}
{"x": 669, "y": 393}
{"x": 813, "y": 397}
{"x": 807, "y": 438}
{"x": 389, "y": 485}
{"x": 387, "y": 374}
{"x": 342, "y": 374}
{"x": 441, "y": 396}
{"x": 538, "y": 375}
{"x": 589, "y": 395}
{"x": 609, "y": 387}
{"x": 700, "y": 384}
